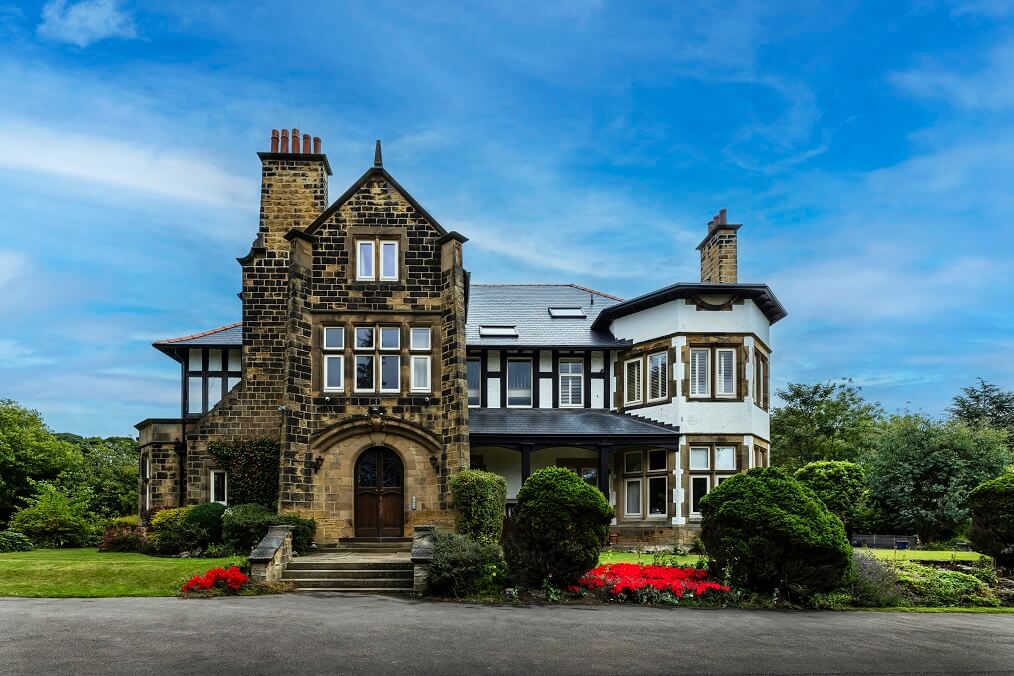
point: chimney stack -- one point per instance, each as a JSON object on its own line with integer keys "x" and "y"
{"x": 719, "y": 260}
{"x": 293, "y": 185}
{"x": 280, "y": 142}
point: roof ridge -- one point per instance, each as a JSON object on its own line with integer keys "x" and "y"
{"x": 570, "y": 284}
{"x": 202, "y": 334}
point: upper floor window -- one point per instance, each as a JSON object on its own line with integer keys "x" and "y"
{"x": 474, "y": 376}
{"x": 658, "y": 376}
{"x": 571, "y": 382}
{"x": 377, "y": 366}
{"x": 376, "y": 355}
{"x": 760, "y": 379}
{"x": 334, "y": 358}
{"x": 376, "y": 259}
{"x": 700, "y": 372}
{"x": 632, "y": 382}
{"x": 519, "y": 383}
{"x": 210, "y": 374}
{"x": 725, "y": 377}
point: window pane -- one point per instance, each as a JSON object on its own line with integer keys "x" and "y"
{"x": 388, "y": 260}
{"x": 333, "y": 376}
{"x": 474, "y": 376}
{"x": 700, "y": 458}
{"x": 726, "y": 372}
{"x": 519, "y": 383}
{"x": 392, "y": 470}
{"x": 390, "y": 338}
{"x": 214, "y": 390}
{"x": 633, "y": 502}
{"x": 218, "y": 486}
{"x": 699, "y": 377}
{"x": 571, "y": 383}
{"x": 334, "y": 337}
{"x": 390, "y": 373}
{"x": 368, "y": 469}
{"x": 632, "y": 386}
{"x": 195, "y": 360}
{"x": 214, "y": 360}
{"x": 420, "y": 339}
{"x": 364, "y": 337}
{"x": 195, "y": 395}
{"x": 233, "y": 382}
{"x": 632, "y": 462}
{"x": 235, "y": 360}
{"x": 725, "y": 457}
{"x": 657, "y": 501}
{"x": 657, "y": 460}
{"x": 364, "y": 373}
{"x": 365, "y": 261}
{"x": 658, "y": 382}
{"x": 421, "y": 374}
{"x": 698, "y": 489}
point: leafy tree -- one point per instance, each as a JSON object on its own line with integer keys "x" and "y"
{"x": 992, "y": 531}
{"x": 29, "y": 452}
{"x": 985, "y": 405}
{"x": 55, "y": 519}
{"x": 108, "y": 469}
{"x": 921, "y": 471}
{"x": 840, "y": 485}
{"x": 824, "y": 421}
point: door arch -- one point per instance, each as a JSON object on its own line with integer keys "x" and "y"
{"x": 380, "y": 494}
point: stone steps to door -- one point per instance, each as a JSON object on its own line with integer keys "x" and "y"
{"x": 355, "y": 583}
{"x": 350, "y": 573}
{"x": 311, "y": 564}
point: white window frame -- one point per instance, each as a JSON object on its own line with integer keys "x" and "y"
{"x": 707, "y": 373}
{"x": 580, "y": 376}
{"x": 373, "y": 260}
{"x": 341, "y": 373}
{"x": 631, "y": 454}
{"x": 381, "y": 245}
{"x": 626, "y": 496}
{"x": 719, "y": 468}
{"x": 627, "y": 400}
{"x": 380, "y": 373}
{"x": 413, "y": 331}
{"x": 707, "y": 479}
{"x": 665, "y": 499}
{"x": 665, "y": 376}
{"x": 211, "y": 482}
{"x": 355, "y": 339}
{"x": 718, "y": 376}
{"x": 355, "y": 372}
{"x": 531, "y": 373}
{"x": 381, "y": 330}
{"x": 428, "y": 386}
{"x": 332, "y": 329}
{"x": 477, "y": 361}
{"x": 690, "y": 454}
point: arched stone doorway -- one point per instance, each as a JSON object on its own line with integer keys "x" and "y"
{"x": 379, "y": 493}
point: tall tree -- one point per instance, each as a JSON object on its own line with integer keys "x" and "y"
{"x": 921, "y": 471}
{"x": 108, "y": 471}
{"x": 985, "y": 405}
{"x": 824, "y": 421}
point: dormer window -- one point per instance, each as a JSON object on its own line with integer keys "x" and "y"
{"x": 376, "y": 259}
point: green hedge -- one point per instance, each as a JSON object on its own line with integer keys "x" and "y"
{"x": 481, "y": 500}
{"x": 765, "y": 531}
{"x": 464, "y": 566}
{"x": 253, "y": 466}
{"x": 992, "y": 505}
{"x": 560, "y": 523}
{"x": 244, "y": 526}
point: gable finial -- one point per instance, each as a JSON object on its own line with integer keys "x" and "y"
{"x": 378, "y": 158}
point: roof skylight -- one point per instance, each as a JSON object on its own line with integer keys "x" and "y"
{"x": 569, "y": 311}
{"x": 498, "y": 331}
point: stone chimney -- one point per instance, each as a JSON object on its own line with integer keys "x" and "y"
{"x": 293, "y": 186}
{"x": 718, "y": 251}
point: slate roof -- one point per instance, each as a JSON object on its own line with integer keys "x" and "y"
{"x": 578, "y": 422}
{"x": 230, "y": 335}
{"x": 526, "y": 306}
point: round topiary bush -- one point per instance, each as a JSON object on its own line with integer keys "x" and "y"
{"x": 767, "y": 531}
{"x": 560, "y": 523}
{"x": 992, "y": 505}
{"x": 168, "y": 532}
{"x": 464, "y": 566}
{"x": 839, "y": 484}
{"x": 481, "y": 499}
{"x": 205, "y": 522}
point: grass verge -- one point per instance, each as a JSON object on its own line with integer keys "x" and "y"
{"x": 883, "y": 554}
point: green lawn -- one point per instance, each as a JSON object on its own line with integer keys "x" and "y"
{"x": 885, "y": 554}
{"x": 89, "y": 573}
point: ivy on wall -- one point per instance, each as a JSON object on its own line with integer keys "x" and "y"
{"x": 253, "y": 470}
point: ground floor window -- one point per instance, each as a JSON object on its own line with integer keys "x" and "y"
{"x": 632, "y": 490}
{"x": 646, "y": 483}
{"x": 219, "y": 486}
{"x": 699, "y": 487}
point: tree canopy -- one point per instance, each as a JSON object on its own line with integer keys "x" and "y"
{"x": 840, "y": 485}
{"x": 985, "y": 405}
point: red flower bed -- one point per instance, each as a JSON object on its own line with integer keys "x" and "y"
{"x": 229, "y": 579}
{"x": 618, "y": 579}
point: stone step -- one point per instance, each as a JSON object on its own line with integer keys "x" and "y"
{"x": 348, "y": 573}
{"x": 346, "y": 583}
{"x": 354, "y": 590}
{"x": 360, "y": 546}
{"x": 297, "y": 564}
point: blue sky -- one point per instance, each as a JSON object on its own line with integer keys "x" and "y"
{"x": 868, "y": 148}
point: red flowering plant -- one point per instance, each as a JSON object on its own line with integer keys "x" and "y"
{"x": 667, "y": 585}
{"x": 216, "y": 581}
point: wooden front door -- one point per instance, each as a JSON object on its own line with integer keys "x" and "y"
{"x": 380, "y": 494}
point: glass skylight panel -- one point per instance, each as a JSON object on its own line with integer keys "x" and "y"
{"x": 498, "y": 331}
{"x": 575, "y": 312}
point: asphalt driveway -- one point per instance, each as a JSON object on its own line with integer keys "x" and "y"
{"x": 387, "y": 635}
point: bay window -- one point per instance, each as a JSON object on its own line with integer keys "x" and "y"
{"x": 632, "y": 382}
{"x": 658, "y": 376}
{"x": 646, "y": 483}
{"x": 700, "y": 377}
{"x": 725, "y": 377}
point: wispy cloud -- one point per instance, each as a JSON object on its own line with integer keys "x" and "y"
{"x": 15, "y": 355}
{"x": 13, "y": 267}
{"x": 984, "y": 85}
{"x": 85, "y": 22}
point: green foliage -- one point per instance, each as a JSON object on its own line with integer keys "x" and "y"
{"x": 985, "y": 405}
{"x": 921, "y": 472}
{"x": 107, "y": 471}
{"x": 55, "y": 519}
{"x": 840, "y": 485}
{"x": 205, "y": 523}
{"x": 481, "y": 499}
{"x": 929, "y": 586}
{"x": 824, "y": 421}
{"x": 29, "y": 453}
{"x": 120, "y": 537}
{"x": 873, "y": 583}
{"x": 992, "y": 506}
{"x": 13, "y": 541}
{"x": 244, "y": 526}
{"x": 169, "y": 533}
{"x": 252, "y": 465}
{"x": 464, "y": 566}
{"x": 129, "y": 520}
{"x": 302, "y": 530}
{"x": 560, "y": 523}
{"x": 765, "y": 531}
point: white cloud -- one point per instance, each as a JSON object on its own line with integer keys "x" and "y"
{"x": 987, "y": 88}
{"x": 85, "y": 22}
{"x": 14, "y": 355}
{"x": 13, "y": 267}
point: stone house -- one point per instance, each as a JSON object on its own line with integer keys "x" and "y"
{"x": 382, "y": 371}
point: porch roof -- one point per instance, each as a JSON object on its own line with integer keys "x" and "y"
{"x": 517, "y": 425}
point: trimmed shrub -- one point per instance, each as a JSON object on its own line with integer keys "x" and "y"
{"x": 205, "y": 523}
{"x": 765, "y": 531}
{"x": 13, "y": 541}
{"x": 168, "y": 531}
{"x": 992, "y": 505}
{"x": 840, "y": 485}
{"x": 51, "y": 519}
{"x": 244, "y": 526}
{"x": 481, "y": 500}
{"x": 560, "y": 523}
{"x": 121, "y": 537}
{"x": 252, "y": 465}
{"x": 464, "y": 566}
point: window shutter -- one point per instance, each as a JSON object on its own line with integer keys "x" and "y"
{"x": 699, "y": 372}
{"x": 726, "y": 372}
